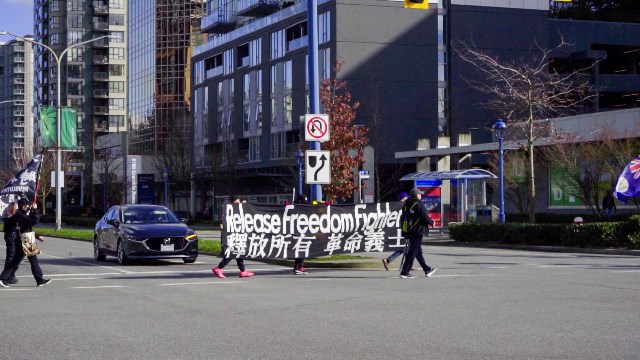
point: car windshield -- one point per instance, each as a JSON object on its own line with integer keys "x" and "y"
{"x": 148, "y": 216}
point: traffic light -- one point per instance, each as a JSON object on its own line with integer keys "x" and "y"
{"x": 416, "y": 4}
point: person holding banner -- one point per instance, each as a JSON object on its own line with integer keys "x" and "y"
{"x": 415, "y": 221}
{"x": 10, "y": 234}
{"x": 225, "y": 260}
{"x": 298, "y": 263}
{"x": 24, "y": 220}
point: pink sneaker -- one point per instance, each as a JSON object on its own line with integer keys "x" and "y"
{"x": 218, "y": 272}
{"x": 246, "y": 273}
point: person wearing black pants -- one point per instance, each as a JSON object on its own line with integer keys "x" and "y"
{"x": 24, "y": 222}
{"x": 10, "y": 234}
{"x": 298, "y": 263}
{"x": 225, "y": 260}
{"x": 415, "y": 212}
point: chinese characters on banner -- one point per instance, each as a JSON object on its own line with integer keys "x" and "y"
{"x": 301, "y": 231}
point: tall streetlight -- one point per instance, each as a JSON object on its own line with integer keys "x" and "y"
{"x": 58, "y": 58}
{"x": 499, "y": 127}
{"x": 299, "y": 159}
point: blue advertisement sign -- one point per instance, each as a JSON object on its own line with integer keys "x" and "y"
{"x": 146, "y": 189}
{"x": 428, "y": 182}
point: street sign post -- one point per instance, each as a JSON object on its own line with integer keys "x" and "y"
{"x": 316, "y": 127}
{"x": 318, "y": 167}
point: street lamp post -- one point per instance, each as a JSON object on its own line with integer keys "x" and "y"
{"x": 299, "y": 159}
{"x": 499, "y": 127}
{"x": 58, "y": 111}
{"x": 165, "y": 179}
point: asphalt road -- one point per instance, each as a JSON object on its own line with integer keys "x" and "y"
{"x": 480, "y": 304}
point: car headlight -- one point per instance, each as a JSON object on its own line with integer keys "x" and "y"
{"x": 131, "y": 237}
{"x": 191, "y": 236}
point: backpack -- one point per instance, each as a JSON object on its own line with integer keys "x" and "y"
{"x": 409, "y": 218}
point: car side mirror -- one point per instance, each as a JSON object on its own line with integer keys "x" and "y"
{"x": 113, "y": 222}
{"x": 184, "y": 220}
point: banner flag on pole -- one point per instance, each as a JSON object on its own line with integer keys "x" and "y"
{"x": 69, "y": 129}
{"x": 48, "y": 126}
{"x": 628, "y": 185}
{"x": 23, "y": 185}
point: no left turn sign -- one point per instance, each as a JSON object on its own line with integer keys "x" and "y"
{"x": 316, "y": 127}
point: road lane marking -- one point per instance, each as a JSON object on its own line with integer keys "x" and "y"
{"x": 201, "y": 283}
{"x": 15, "y": 289}
{"x": 84, "y": 278}
{"x": 98, "y": 287}
{"x": 85, "y": 263}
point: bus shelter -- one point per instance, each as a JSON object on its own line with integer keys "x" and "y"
{"x": 455, "y": 195}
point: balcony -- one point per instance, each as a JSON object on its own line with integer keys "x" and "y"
{"x": 18, "y": 59}
{"x": 18, "y": 134}
{"x": 219, "y": 21}
{"x": 297, "y": 43}
{"x": 18, "y": 144}
{"x": 102, "y": 43}
{"x": 18, "y": 48}
{"x": 257, "y": 8}
{"x": 100, "y": 59}
{"x": 102, "y": 126}
{"x": 214, "y": 72}
{"x": 101, "y": 93}
{"x": 101, "y": 76}
{"x": 18, "y": 112}
{"x": 18, "y": 70}
{"x": 100, "y": 9}
{"x": 18, "y": 123}
{"x": 18, "y": 91}
{"x": 243, "y": 156}
{"x": 100, "y": 110}
{"x": 100, "y": 26}
{"x": 18, "y": 80}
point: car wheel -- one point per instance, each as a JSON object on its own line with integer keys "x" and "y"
{"x": 97, "y": 254}
{"x": 189, "y": 260}
{"x": 122, "y": 256}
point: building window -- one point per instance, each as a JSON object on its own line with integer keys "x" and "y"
{"x": 116, "y": 53}
{"x": 116, "y": 104}
{"x": 116, "y": 19}
{"x": 116, "y": 4}
{"x": 75, "y": 54}
{"x": 116, "y": 70}
{"x": 75, "y": 36}
{"x": 55, "y": 39}
{"x": 116, "y": 86}
{"x": 324, "y": 27}
{"x": 254, "y": 148}
{"x": 75, "y": 21}
{"x": 288, "y": 109}
{"x": 277, "y": 44}
{"x": 116, "y": 36}
{"x": 278, "y": 145}
{"x": 116, "y": 120}
{"x": 296, "y": 36}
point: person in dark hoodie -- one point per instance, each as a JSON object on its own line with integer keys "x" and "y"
{"x": 10, "y": 234}
{"x": 416, "y": 223}
{"x": 24, "y": 219}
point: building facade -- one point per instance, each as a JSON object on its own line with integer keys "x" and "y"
{"x": 250, "y": 81}
{"x": 16, "y": 99}
{"x": 93, "y": 77}
{"x": 162, "y": 35}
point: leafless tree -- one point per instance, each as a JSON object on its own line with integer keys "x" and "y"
{"x": 526, "y": 91}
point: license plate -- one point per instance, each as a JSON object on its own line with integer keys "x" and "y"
{"x": 167, "y": 247}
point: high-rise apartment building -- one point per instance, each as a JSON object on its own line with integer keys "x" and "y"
{"x": 93, "y": 76}
{"x": 16, "y": 101}
{"x": 162, "y": 35}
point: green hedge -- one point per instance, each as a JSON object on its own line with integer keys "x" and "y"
{"x": 554, "y": 218}
{"x": 619, "y": 234}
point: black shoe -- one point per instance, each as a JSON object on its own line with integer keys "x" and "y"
{"x": 44, "y": 282}
{"x": 12, "y": 281}
{"x": 406, "y": 276}
{"x": 3, "y": 284}
{"x": 430, "y": 272}
{"x": 385, "y": 262}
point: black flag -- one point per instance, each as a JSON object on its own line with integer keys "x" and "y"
{"x": 23, "y": 185}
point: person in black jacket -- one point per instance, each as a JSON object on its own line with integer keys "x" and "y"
{"x": 415, "y": 212}
{"x": 10, "y": 234}
{"x": 24, "y": 221}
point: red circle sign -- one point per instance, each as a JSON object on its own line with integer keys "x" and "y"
{"x": 317, "y": 127}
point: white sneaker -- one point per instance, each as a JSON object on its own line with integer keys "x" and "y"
{"x": 2, "y": 284}
{"x": 430, "y": 272}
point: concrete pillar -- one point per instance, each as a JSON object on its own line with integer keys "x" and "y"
{"x": 423, "y": 164}
{"x": 444, "y": 164}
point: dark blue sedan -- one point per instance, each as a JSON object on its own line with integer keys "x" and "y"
{"x": 143, "y": 232}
